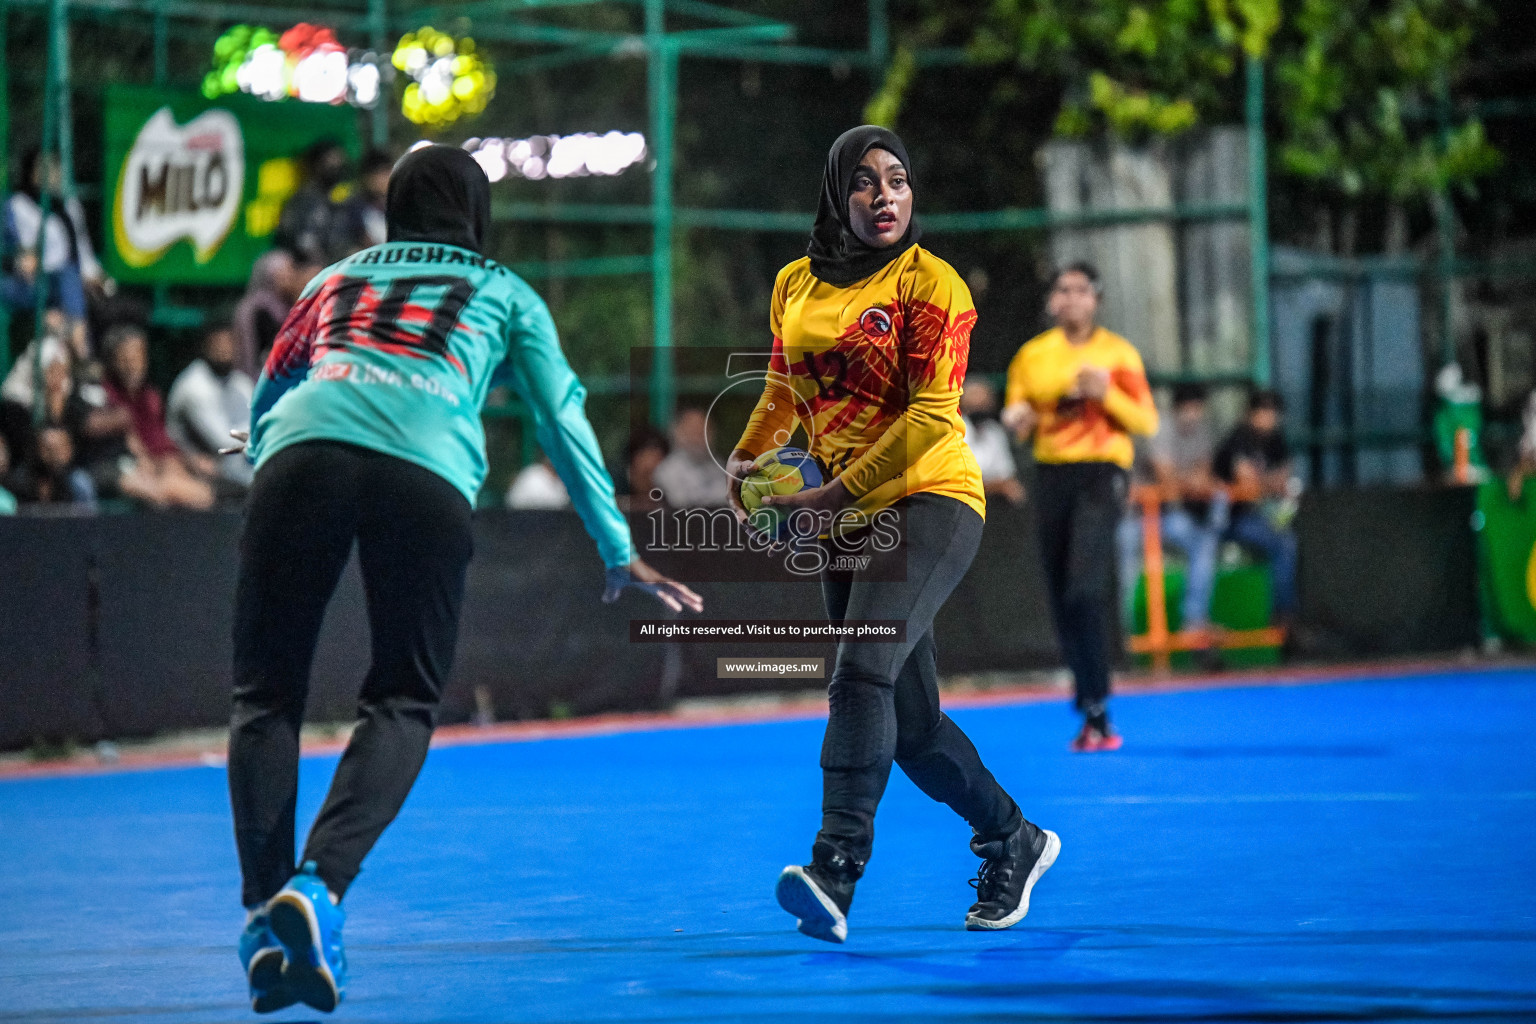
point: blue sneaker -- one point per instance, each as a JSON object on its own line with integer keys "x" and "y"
{"x": 308, "y": 925}
{"x": 262, "y": 958}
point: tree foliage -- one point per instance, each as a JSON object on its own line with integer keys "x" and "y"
{"x": 1357, "y": 82}
{"x": 1133, "y": 69}
{"x": 1353, "y": 83}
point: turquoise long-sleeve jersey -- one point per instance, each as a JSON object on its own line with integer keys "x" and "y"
{"x": 394, "y": 349}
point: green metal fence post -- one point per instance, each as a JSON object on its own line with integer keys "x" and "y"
{"x": 58, "y": 72}
{"x": 65, "y": 128}
{"x": 879, "y": 36}
{"x": 1445, "y": 231}
{"x": 162, "y": 30}
{"x": 1258, "y": 221}
{"x": 378, "y": 23}
{"x": 5, "y": 165}
{"x": 662, "y": 88}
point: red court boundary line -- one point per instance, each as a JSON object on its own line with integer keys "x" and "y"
{"x": 806, "y": 709}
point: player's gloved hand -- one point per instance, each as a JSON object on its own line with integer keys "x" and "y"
{"x": 642, "y": 577}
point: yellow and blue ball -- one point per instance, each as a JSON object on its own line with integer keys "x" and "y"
{"x": 779, "y": 471}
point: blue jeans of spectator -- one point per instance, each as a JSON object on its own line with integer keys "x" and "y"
{"x": 1277, "y": 547}
{"x": 82, "y": 489}
{"x": 66, "y": 292}
{"x": 1197, "y": 538}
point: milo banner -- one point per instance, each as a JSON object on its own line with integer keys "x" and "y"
{"x": 194, "y": 188}
{"x": 1509, "y": 559}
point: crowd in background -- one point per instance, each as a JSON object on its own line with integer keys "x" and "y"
{"x": 80, "y": 422}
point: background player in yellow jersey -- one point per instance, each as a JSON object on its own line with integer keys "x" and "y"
{"x": 871, "y": 336}
{"x": 1082, "y": 392}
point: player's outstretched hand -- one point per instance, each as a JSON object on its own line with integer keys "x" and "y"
{"x": 642, "y": 577}
{"x": 242, "y": 437}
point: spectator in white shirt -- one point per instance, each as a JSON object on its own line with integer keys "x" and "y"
{"x": 690, "y": 477}
{"x": 989, "y": 441}
{"x": 210, "y": 398}
{"x": 538, "y": 486}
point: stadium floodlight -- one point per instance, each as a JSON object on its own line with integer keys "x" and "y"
{"x": 306, "y": 63}
{"x": 579, "y": 155}
{"x": 448, "y": 78}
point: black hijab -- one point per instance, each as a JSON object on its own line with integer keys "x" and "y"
{"x": 439, "y": 194}
{"x": 838, "y": 256}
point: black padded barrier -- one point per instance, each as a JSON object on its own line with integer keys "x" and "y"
{"x": 48, "y": 690}
{"x": 1386, "y": 572}
{"x": 119, "y": 626}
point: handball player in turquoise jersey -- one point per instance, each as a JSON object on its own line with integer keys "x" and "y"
{"x": 365, "y": 427}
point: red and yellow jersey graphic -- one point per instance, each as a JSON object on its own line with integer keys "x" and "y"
{"x": 1073, "y": 429}
{"x": 871, "y": 374}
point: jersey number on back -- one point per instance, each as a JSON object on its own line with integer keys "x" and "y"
{"x": 384, "y": 325}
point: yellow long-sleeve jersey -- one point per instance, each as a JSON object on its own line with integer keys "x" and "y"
{"x": 872, "y": 373}
{"x": 1073, "y": 429}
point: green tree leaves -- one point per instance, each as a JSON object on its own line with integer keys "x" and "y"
{"x": 1131, "y": 69}
{"x": 1354, "y": 82}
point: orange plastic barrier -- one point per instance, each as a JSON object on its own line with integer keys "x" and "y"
{"x": 1461, "y": 467}
{"x": 1157, "y": 640}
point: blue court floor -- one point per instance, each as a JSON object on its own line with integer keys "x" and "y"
{"x": 1357, "y": 851}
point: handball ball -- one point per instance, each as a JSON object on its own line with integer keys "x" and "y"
{"x": 780, "y": 471}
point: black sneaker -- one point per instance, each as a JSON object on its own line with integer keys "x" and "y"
{"x": 1010, "y": 867}
{"x": 820, "y": 893}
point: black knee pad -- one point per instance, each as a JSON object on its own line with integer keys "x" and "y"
{"x": 861, "y": 722}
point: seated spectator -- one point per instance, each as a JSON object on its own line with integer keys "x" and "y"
{"x": 1255, "y": 463}
{"x": 22, "y": 416}
{"x": 207, "y": 400}
{"x": 636, "y": 484}
{"x": 45, "y": 470}
{"x": 277, "y": 280}
{"x": 120, "y": 425}
{"x": 1194, "y": 508}
{"x": 537, "y": 485}
{"x": 689, "y": 477}
{"x": 7, "y": 481}
{"x": 18, "y": 393}
{"x": 50, "y": 476}
{"x": 64, "y": 252}
{"x": 359, "y": 221}
{"x": 989, "y": 441}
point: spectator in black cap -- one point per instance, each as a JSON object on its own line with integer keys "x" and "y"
{"x": 307, "y": 224}
{"x": 1255, "y": 462}
{"x": 359, "y": 222}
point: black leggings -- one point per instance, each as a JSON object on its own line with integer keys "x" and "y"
{"x": 308, "y": 503}
{"x": 884, "y": 697}
{"x": 1080, "y": 506}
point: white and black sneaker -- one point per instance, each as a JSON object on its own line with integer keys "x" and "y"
{"x": 820, "y": 893}
{"x": 1010, "y": 867}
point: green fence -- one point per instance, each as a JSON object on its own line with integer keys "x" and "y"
{"x": 731, "y": 35}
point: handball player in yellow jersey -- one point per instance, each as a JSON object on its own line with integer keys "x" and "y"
{"x": 871, "y": 336}
{"x": 1082, "y": 391}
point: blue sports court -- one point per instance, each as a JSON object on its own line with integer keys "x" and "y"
{"x": 1352, "y": 851}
